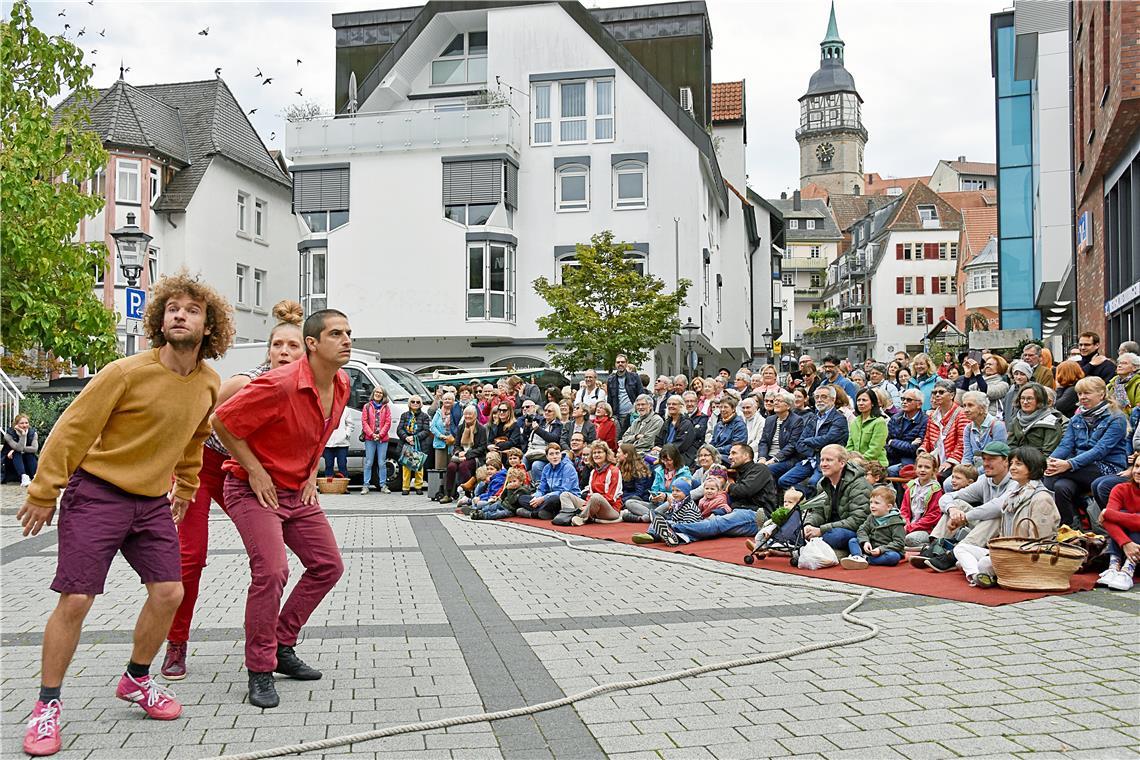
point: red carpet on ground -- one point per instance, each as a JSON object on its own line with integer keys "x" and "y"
{"x": 903, "y": 578}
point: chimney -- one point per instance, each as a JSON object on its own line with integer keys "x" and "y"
{"x": 961, "y": 159}
{"x": 796, "y": 200}
{"x": 784, "y": 196}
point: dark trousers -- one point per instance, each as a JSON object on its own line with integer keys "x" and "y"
{"x": 1103, "y": 486}
{"x": 1070, "y": 489}
{"x": 458, "y": 471}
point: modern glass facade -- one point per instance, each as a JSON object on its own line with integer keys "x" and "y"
{"x": 1014, "y": 106}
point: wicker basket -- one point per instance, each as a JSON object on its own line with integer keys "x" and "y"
{"x": 1034, "y": 564}
{"x": 332, "y": 485}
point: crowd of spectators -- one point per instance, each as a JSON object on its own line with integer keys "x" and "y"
{"x": 934, "y": 456}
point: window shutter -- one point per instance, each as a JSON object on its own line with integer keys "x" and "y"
{"x": 475, "y": 182}
{"x": 934, "y": 285}
{"x": 899, "y": 253}
{"x": 900, "y": 315}
{"x": 899, "y": 285}
{"x": 320, "y": 190}
{"x": 929, "y": 316}
{"x": 918, "y": 281}
{"x": 512, "y": 190}
{"x": 952, "y": 313}
{"x": 930, "y": 250}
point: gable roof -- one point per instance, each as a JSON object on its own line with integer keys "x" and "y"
{"x": 873, "y": 184}
{"x": 906, "y": 217}
{"x": 190, "y": 123}
{"x": 978, "y": 226}
{"x": 810, "y": 208}
{"x": 849, "y": 208}
{"x": 661, "y": 97}
{"x": 727, "y": 101}
{"x": 987, "y": 256}
{"x": 973, "y": 167}
{"x": 964, "y": 199}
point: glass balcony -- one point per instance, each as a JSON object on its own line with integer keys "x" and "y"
{"x": 494, "y": 127}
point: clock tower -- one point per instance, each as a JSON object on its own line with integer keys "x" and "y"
{"x": 831, "y": 133}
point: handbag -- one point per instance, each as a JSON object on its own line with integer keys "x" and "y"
{"x": 1034, "y": 564}
{"x": 412, "y": 458}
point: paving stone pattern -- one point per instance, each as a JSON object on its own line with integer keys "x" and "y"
{"x": 439, "y": 617}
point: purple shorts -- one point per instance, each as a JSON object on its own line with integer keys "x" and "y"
{"x": 98, "y": 519}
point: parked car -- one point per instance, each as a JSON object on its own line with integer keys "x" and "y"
{"x": 543, "y": 377}
{"x": 365, "y": 371}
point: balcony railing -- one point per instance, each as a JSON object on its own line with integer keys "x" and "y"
{"x": 844, "y": 334}
{"x": 810, "y": 292}
{"x": 478, "y": 126}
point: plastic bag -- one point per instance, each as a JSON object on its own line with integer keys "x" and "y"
{"x": 817, "y": 555}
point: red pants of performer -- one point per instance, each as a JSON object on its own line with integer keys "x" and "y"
{"x": 194, "y": 538}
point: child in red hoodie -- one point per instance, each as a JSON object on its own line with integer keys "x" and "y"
{"x": 1121, "y": 520}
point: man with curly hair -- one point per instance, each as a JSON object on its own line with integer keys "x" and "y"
{"x": 139, "y": 421}
{"x": 276, "y": 429}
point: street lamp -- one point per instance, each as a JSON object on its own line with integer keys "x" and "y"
{"x": 131, "y": 243}
{"x": 690, "y": 329}
{"x": 766, "y": 336}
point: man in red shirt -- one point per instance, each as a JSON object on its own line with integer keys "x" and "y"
{"x": 276, "y": 429}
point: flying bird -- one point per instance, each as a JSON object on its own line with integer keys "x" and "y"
{"x": 218, "y": 71}
{"x": 258, "y": 74}
{"x": 102, "y": 32}
{"x": 94, "y": 51}
{"x": 298, "y": 61}
{"x": 272, "y": 136}
{"x": 252, "y": 111}
{"x": 205, "y": 32}
{"x": 90, "y": 2}
{"x": 268, "y": 80}
{"x": 299, "y": 93}
{"x": 66, "y": 27}
{"x": 82, "y": 32}
{"x": 61, "y": 13}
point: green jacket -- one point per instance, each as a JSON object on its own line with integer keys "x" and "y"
{"x": 1131, "y": 390}
{"x": 1044, "y": 434}
{"x": 851, "y": 500}
{"x": 888, "y": 536}
{"x": 868, "y": 438}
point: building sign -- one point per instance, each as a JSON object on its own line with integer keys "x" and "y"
{"x": 1084, "y": 232}
{"x": 1126, "y": 296}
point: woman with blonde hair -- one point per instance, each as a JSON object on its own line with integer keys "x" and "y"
{"x": 601, "y": 499}
{"x": 285, "y": 345}
{"x": 1093, "y": 445}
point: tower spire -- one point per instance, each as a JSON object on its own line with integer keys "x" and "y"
{"x": 832, "y": 46}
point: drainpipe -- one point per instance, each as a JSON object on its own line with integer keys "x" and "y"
{"x": 676, "y": 282}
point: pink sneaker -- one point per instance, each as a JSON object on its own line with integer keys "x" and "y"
{"x": 155, "y": 701}
{"x": 42, "y": 737}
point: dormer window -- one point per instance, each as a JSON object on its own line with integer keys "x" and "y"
{"x": 928, "y": 213}
{"x": 463, "y": 61}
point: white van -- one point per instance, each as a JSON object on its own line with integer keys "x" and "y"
{"x": 365, "y": 371}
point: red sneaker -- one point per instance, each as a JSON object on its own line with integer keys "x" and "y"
{"x": 42, "y": 736}
{"x": 174, "y": 666}
{"x": 155, "y": 701}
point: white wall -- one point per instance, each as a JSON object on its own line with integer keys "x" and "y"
{"x": 1053, "y": 155}
{"x": 885, "y": 301}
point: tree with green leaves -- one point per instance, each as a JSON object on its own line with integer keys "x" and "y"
{"x": 603, "y": 307}
{"x": 48, "y": 306}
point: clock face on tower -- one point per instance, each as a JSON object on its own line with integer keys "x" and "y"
{"x": 825, "y": 152}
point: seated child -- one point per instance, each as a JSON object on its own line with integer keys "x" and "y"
{"x": 879, "y": 540}
{"x": 792, "y": 499}
{"x": 514, "y": 458}
{"x": 489, "y": 486}
{"x": 919, "y": 510}
{"x": 514, "y": 487}
{"x": 875, "y": 473}
{"x": 678, "y": 508}
{"x": 715, "y": 499}
{"x": 482, "y": 472}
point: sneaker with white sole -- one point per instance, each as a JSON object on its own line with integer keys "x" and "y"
{"x": 854, "y": 562}
{"x": 42, "y": 736}
{"x": 578, "y": 520}
{"x": 1121, "y": 581}
{"x": 156, "y": 702}
{"x": 25, "y": 481}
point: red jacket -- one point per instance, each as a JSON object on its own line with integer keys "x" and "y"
{"x": 929, "y": 517}
{"x": 1122, "y": 515}
{"x": 606, "y": 431}
{"x": 606, "y": 482}
{"x": 955, "y": 440}
{"x": 372, "y": 421}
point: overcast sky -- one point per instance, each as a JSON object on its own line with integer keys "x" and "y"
{"x": 922, "y": 66}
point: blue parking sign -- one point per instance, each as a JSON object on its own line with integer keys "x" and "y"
{"x": 136, "y": 302}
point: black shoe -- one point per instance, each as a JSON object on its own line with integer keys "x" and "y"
{"x": 404, "y": 493}
{"x": 943, "y": 564}
{"x": 522, "y": 512}
{"x": 419, "y": 492}
{"x": 262, "y": 692}
{"x": 544, "y": 514}
{"x": 289, "y": 664}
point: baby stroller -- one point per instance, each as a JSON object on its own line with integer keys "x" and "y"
{"x": 787, "y": 537}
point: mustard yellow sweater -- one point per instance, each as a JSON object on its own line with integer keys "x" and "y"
{"x": 134, "y": 425}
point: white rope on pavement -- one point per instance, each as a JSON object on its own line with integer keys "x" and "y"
{"x": 871, "y": 631}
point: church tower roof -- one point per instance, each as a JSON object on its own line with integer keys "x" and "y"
{"x": 831, "y": 77}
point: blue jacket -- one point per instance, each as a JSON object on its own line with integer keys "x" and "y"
{"x": 440, "y": 428}
{"x": 925, "y": 386}
{"x": 495, "y": 482}
{"x": 659, "y": 479}
{"x": 561, "y": 479}
{"x": 727, "y": 433}
{"x": 832, "y": 430}
{"x": 790, "y": 433}
{"x": 638, "y": 488}
{"x": 993, "y": 429}
{"x": 1102, "y": 442}
{"x": 848, "y": 387}
{"x": 900, "y": 434}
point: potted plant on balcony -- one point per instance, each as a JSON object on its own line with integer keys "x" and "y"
{"x": 489, "y": 98}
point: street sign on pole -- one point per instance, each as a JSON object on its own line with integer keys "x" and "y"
{"x": 136, "y": 303}
{"x": 134, "y": 327}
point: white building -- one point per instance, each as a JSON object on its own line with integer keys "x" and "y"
{"x": 812, "y": 241}
{"x": 895, "y": 281}
{"x": 485, "y": 144}
{"x": 190, "y": 170}
{"x": 953, "y": 176}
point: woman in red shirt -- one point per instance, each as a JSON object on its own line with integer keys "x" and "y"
{"x": 604, "y": 427}
{"x": 601, "y": 500}
{"x": 1121, "y": 519}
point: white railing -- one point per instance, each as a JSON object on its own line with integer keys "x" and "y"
{"x": 446, "y": 127}
{"x": 10, "y": 398}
